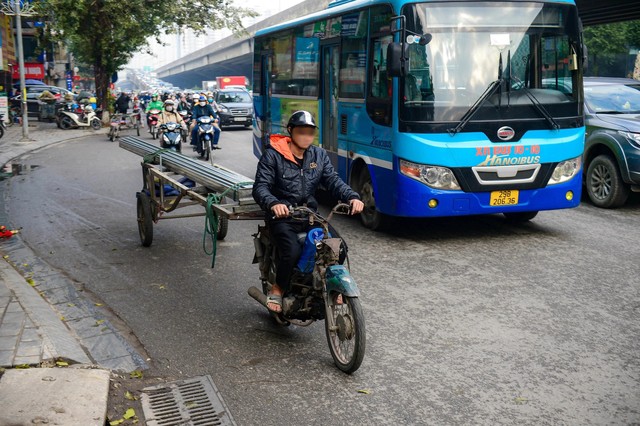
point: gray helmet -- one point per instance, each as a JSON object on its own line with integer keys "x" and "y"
{"x": 301, "y": 118}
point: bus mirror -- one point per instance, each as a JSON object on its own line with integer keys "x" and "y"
{"x": 396, "y": 59}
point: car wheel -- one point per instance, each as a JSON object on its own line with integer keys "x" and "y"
{"x": 605, "y": 186}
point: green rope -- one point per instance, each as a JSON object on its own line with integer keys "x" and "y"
{"x": 151, "y": 156}
{"x": 212, "y": 221}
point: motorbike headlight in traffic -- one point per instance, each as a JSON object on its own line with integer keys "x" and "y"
{"x": 566, "y": 170}
{"x": 433, "y": 176}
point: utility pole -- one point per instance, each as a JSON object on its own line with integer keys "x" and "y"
{"x": 14, "y": 8}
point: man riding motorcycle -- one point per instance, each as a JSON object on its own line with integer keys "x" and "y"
{"x": 155, "y": 103}
{"x": 289, "y": 173}
{"x": 203, "y": 109}
{"x": 169, "y": 114}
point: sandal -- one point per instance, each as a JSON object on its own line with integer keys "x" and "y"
{"x": 275, "y": 299}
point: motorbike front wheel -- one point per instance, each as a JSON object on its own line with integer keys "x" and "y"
{"x": 346, "y": 337}
{"x": 96, "y": 124}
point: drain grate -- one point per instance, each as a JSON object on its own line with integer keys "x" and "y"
{"x": 194, "y": 402}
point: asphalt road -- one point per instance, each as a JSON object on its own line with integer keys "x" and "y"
{"x": 469, "y": 320}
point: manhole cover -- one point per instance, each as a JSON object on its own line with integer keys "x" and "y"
{"x": 186, "y": 402}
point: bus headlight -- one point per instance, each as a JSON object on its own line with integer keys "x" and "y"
{"x": 566, "y": 170}
{"x": 434, "y": 176}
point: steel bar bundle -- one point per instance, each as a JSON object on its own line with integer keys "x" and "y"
{"x": 216, "y": 179}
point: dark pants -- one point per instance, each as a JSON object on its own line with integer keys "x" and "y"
{"x": 194, "y": 135}
{"x": 284, "y": 233}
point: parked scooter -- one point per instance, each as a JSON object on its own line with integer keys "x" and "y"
{"x": 152, "y": 120}
{"x": 205, "y": 137}
{"x": 321, "y": 287}
{"x": 171, "y": 136}
{"x": 74, "y": 120}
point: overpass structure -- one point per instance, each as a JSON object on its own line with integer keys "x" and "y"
{"x": 234, "y": 54}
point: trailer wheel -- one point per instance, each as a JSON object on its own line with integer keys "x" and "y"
{"x": 145, "y": 219}
{"x": 223, "y": 226}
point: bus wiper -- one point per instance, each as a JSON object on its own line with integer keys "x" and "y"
{"x": 491, "y": 89}
{"x": 538, "y": 105}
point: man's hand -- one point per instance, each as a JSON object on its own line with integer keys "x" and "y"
{"x": 280, "y": 210}
{"x": 356, "y": 206}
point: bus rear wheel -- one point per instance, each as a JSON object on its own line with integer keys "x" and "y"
{"x": 371, "y": 218}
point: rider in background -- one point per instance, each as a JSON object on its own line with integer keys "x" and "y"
{"x": 155, "y": 103}
{"x": 203, "y": 109}
{"x": 289, "y": 173}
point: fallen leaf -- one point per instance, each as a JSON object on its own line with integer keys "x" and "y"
{"x": 71, "y": 304}
{"x": 98, "y": 304}
{"x": 137, "y": 374}
{"x": 191, "y": 404}
{"x": 22, "y": 367}
{"x": 129, "y": 396}
{"x": 129, "y": 413}
{"x": 31, "y": 282}
{"x": 161, "y": 287}
{"x": 520, "y": 400}
{"x": 98, "y": 322}
{"x": 25, "y": 264}
{"x": 116, "y": 422}
{"x": 6, "y": 256}
{"x": 62, "y": 364}
{"x": 364, "y": 391}
{"x": 63, "y": 319}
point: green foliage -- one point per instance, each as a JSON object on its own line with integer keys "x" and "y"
{"x": 106, "y": 33}
{"x": 605, "y": 42}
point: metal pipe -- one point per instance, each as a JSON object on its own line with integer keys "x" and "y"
{"x": 215, "y": 178}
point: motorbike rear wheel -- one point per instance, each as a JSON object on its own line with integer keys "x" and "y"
{"x": 347, "y": 338}
{"x": 96, "y": 124}
{"x": 66, "y": 123}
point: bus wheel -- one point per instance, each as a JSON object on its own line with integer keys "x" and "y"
{"x": 520, "y": 217}
{"x": 370, "y": 217}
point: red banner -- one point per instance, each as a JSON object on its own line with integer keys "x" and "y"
{"x": 33, "y": 70}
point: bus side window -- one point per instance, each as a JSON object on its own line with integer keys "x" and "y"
{"x": 379, "y": 99}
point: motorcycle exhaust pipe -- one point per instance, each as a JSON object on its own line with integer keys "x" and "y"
{"x": 258, "y": 295}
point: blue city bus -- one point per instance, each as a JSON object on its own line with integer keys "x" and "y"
{"x": 434, "y": 108}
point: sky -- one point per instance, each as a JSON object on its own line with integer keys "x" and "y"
{"x": 173, "y": 49}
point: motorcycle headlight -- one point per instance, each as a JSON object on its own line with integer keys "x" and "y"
{"x": 433, "y": 176}
{"x": 566, "y": 170}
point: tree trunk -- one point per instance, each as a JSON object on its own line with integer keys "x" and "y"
{"x": 102, "y": 81}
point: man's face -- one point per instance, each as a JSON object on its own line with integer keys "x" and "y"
{"x": 303, "y": 136}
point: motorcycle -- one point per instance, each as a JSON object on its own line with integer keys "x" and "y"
{"x": 171, "y": 136}
{"x": 186, "y": 116}
{"x": 73, "y": 120}
{"x": 152, "y": 120}
{"x": 320, "y": 288}
{"x": 205, "y": 137}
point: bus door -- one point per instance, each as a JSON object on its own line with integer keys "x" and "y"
{"x": 264, "y": 124}
{"x": 330, "y": 68}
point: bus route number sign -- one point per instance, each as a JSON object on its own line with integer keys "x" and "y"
{"x": 504, "y": 198}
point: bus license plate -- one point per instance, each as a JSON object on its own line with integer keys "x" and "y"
{"x": 504, "y": 198}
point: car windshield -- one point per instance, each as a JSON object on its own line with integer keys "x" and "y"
{"x": 471, "y": 45}
{"x": 612, "y": 99}
{"x": 234, "y": 97}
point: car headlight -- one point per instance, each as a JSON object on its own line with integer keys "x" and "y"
{"x": 566, "y": 170}
{"x": 223, "y": 109}
{"x": 434, "y": 176}
{"x": 634, "y": 138}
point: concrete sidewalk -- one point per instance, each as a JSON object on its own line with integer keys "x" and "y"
{"x": 35, "y": 333}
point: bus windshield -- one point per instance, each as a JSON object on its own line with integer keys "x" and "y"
{"x": 529, "y": 47}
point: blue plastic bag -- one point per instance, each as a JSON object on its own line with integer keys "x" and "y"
{"x": 308, "y": 257}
